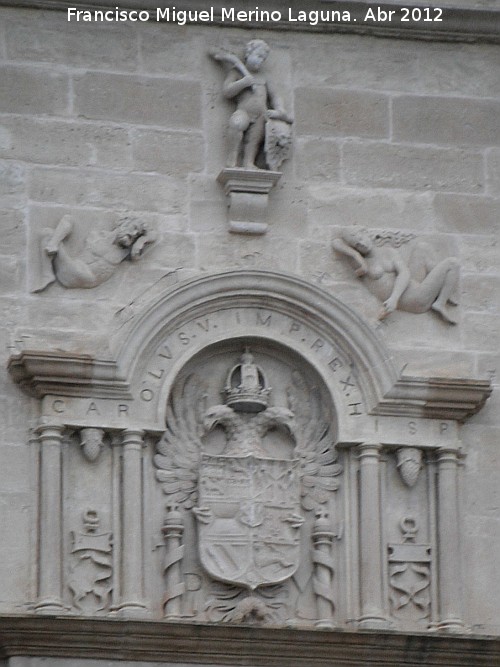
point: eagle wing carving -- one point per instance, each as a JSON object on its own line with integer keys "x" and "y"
{"x": 315, "y": 443}
{"x": 178, "y": 451}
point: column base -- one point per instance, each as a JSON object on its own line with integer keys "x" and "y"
{"x": 373, "y": 623}
{"x": 50, "y": 607}
{"x": 452, "y": 625}
{"x": 132, "y": 610}
{"x": 325, "y": 624}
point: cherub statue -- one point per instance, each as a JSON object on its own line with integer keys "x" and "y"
{"x": 415, "y": 286}
{"x": 104, "y": 250}
{"x": 257, "y": 106}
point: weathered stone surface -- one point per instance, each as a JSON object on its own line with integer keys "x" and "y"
{"x": 483, "y": 533}
{"x": 175, "y": 52}
{"x": 480, "y": 254}
{"x": 412, "y": 167}
{"x": 15, "y": 468}
{"x": 411, "y": 361}
{"x": 107, "y": 189}
{"x": 466, "y": 215}
{"x": 64, "y": 143}
{"x": 13, "y": 230}
{"x": 171, "y": 153}
{"x": 334, "y": 205}
{"x": 480, "y": 293}
{"x": 341, "y": 113}
{"x": 33, "y": 90}
{"x": 493, "y": 171}
{"x": 57, "y": 40}
{"x": 446, "y": 120}
{"x": 390, "y": 65}
{"x": 175, "y": 251}
{"x": 219, "y": 250}
{"x": 9, "y": 274}
{"x": 482, "y": 331}
{"x": 171, "y": 103}
{"x": 14, "y": 523}
{"x": 12, "y": 184}
{"x": 317, "y": 160}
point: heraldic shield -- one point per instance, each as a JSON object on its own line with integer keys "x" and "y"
{"x": 249, "y": 519}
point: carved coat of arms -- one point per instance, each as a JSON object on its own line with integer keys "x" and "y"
{"x": 249, "y": 519}
{"x": 248, "y": 504}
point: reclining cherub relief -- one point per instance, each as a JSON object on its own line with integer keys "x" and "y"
{"x": 416, "y": 285}
{"x": 102, "y": 253}
{"x": 259, "y": 111}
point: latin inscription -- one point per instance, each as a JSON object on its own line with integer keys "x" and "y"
{"x": 250, "y": 321}
{"x": 89, "y": 407}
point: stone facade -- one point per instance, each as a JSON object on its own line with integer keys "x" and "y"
{"x": 273, "y": 418}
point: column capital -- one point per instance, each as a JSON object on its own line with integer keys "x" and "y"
{"x": 46, "y": 431}
{"x": 448, "y": 453}
{"x": 133, "y": 436}
{"x": 369, "y": 449}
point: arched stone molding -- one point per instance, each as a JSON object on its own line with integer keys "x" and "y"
{"x": 256, "y": 304}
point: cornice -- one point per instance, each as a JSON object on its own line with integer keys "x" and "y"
{"x": 40, "y": 373}
{"x": 459, "y": 24}
{"x": 435, "y": 398}
{"x": 72, "y": 637}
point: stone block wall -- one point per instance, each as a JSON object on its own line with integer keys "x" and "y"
{"x": 102, "y": 121}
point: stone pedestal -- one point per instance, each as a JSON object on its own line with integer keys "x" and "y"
{"x": 248, "y": 193}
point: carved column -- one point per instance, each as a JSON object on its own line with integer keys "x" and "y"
{"x": 132, "y": 597}
{"x": 50, "y": 521}
{"x": 173, "y": 530}
{"x": 371, "y": 565}
{"x": 323, "y": 569}
{"x": 450, "y": 587}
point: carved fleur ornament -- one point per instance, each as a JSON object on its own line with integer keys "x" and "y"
{"x": 249, "y": 505}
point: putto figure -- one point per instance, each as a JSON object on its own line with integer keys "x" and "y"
{"x": 415, "y": 286}
{"x": 103, "y": 251}
{"x": 259, "y": 112}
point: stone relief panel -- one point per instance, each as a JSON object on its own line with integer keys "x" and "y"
{"x": 404, "y": 487}
{"x": 243, "y": 476}
{"x": 88, "y": 521}
{"x": 102, "y": 250}
{"x": 416, "y": 283}
{"x": 251, "y": 484}
{"x": 410, "y": 575}
{"x": 90, "y": 577}
{"x": 409, "y": 496}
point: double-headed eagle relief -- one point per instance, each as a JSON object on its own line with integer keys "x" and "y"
{"x": 249, "y": 504}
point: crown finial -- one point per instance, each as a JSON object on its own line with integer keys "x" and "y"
{"x": 246, "y": 387}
